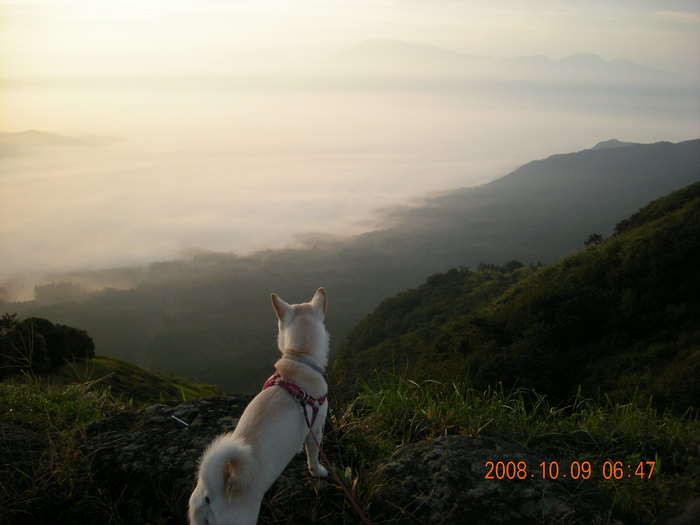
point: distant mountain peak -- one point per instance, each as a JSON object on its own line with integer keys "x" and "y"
{"x": 623, "y": 62}
{"x": 34, "y": 134}
{"x": 33, "y": 137}
{"x": 23, "y": 142}
{"x": 534, "y": 59}
{"x": 584, "y": 59}
{"x": 613, "y": 143}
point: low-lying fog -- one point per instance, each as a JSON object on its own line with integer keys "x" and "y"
{"x": 153, "y": 170}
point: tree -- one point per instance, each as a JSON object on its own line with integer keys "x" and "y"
{"x": 593, "y": 240}
{"x": 21, "y": 347}
{"x": 39, "y": 345}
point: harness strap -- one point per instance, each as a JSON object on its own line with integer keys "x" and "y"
{"x": 299, "y": 394}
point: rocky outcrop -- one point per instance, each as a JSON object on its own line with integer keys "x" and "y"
{"x": 21, "y": 453}
{"x": 20, "y": 449}
{"x": 147, "y": 462}
{"x": 687, "y": 513}
{"x": 443, "y": 481}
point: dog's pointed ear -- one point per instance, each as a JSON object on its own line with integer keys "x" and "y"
{"x": 281, "y": 308}
{"x": 320, "y": 300}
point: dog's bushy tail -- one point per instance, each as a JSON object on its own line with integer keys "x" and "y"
{"x": 227, "y": 465}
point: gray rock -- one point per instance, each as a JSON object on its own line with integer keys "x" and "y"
{"x": 687, "y": 513}
{"x": 148, "y": 461}
{"x": 20, "y": 448}
{"x": 443, "y": 481}
{"x": 21, "y": 453}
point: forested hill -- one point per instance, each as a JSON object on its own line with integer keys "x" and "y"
{"x": 620, "y": 317}
{"x": 542, "y": 210}
{"x": 209, "y": 317}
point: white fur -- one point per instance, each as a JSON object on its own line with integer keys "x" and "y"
{"x": 238, "y": 468}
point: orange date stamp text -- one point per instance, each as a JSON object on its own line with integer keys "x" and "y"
{"x": 609, "y": 469}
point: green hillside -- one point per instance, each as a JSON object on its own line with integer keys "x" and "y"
{"x": 118, "y": 380}
{"x": 83, "y": 391}
{"x": 128, "y": 381}
{"x": 620, "y": 317}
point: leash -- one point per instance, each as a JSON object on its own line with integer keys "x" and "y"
{"x": 340, "y": 483}
{"x": 305, "y": 399}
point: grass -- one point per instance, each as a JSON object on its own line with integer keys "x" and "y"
{"x": 401, "y": 411}
{"x": 59, "y": 487}
{"x": 58, "y": 484}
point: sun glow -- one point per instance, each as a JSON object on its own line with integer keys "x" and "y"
{"x": 236, "y": 131}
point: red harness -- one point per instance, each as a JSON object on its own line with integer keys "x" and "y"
{"x": 298, "y": 394}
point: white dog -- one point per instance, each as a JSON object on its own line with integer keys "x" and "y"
{"x": 239, "y": 467}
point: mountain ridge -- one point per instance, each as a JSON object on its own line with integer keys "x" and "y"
{"x": 397, "y": 55}
{"x": 28, "y": 141}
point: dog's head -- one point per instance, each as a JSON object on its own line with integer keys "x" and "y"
{"x": 301, "y": 328}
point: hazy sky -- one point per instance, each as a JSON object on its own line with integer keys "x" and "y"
{"x": 65, "y": 37}
{"x": 234, "y": 168}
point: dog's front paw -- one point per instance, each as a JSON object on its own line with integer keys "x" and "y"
{"x": 319, "y": 471}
